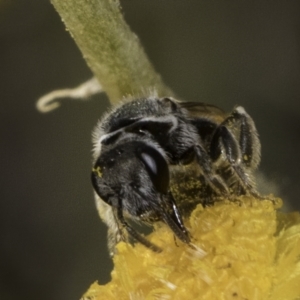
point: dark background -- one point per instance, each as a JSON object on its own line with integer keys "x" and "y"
{"x": 53, "y": 245}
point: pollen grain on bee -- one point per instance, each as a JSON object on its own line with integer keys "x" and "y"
{"x": 97, "y": 171}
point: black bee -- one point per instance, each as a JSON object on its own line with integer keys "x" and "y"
{"x": 157, "y": 158}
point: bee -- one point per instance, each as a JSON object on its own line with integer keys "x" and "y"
{"x": 155, "y": 159}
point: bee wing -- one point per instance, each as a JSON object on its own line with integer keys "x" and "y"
{"x": 153, "y": 125}
{"x": 203, "y": 111}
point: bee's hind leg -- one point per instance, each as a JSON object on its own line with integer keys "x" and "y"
{"x": 237, "y": 139}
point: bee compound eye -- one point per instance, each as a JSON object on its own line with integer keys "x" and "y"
{"x": 156, "y": 166}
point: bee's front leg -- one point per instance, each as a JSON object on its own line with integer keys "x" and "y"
{"x": 132, "y": 232}
{"x": 172, "y": 217}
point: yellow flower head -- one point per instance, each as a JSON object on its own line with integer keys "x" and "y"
{"x": 242, "y": 250}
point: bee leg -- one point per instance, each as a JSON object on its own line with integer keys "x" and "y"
{"x": 223, "y": 139}
{"x": 133, "y": 233}
{"x": 173, "y": 219}
{"x": 248, "y": 137}
{"x": 213, "y": 179}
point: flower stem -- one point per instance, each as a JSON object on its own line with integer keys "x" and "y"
{"x": 110, "y": 48}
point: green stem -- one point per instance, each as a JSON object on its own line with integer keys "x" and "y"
{"x": 111, "y": 50}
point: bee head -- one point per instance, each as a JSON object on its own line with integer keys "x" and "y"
{"x": 134, "y": 171}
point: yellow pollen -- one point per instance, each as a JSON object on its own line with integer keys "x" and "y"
{"x": 97, "y": 171}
